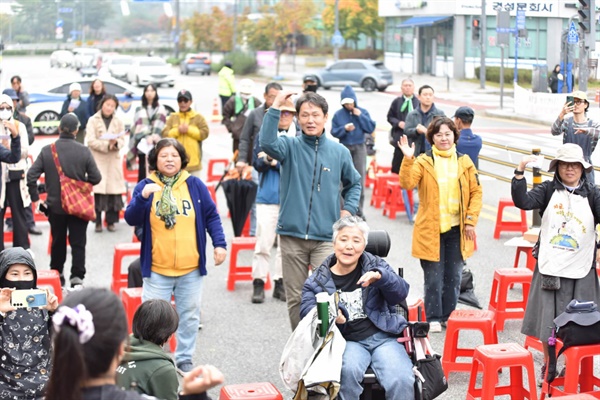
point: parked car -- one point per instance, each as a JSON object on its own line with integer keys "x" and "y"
{"x": 368, "y": 74}
{"x": 118, "y": 66}
{"x": 61, "y": 59}
{"x": 45, "y": 107}
{"x": 86, "y": 57}
{"x": 145, "y": 70}
{"x": 196, "y": 63}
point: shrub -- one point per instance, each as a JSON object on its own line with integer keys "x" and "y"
{"x": 492, "y": 74}
{"x": 243, "y": 63}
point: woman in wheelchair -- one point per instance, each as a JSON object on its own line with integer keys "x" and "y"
{"x": 367, "y": 318}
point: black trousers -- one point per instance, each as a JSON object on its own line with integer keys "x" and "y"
{"x": 223, "y": 101}
{"x": 134, "y": 274}
{"x": 141, "y": 167}
{"x": 60, "y": 225}
{"x": 15, "y": 202}
{"x": 397, "y": 160}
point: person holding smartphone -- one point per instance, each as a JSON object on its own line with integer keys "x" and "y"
{"x": 578, "y": 128}
{"x": 25, "y": 350}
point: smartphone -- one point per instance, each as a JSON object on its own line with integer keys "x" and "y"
{"x": 43, "y": 208}
{"x": 570, "y": 100}
{"x": 28, "y": 298}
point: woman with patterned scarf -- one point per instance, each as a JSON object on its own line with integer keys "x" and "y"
{"x": 450, "y": 202}
{"x": 176, "y": 211}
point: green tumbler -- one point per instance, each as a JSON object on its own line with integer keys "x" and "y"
{"x": 323, "y": 312}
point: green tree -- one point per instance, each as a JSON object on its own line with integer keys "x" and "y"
{"x": 210, "y": 32}
{"x": 280, "y": 24}
{"x": 356, "y": 18}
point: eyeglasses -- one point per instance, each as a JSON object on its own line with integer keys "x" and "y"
{"x": 578, "y": 101}
{"x": 567, "y": 165}
{"x": 5, "y": 108}
{"x": 182, "y": 100}
{"x": 287, "y": 113}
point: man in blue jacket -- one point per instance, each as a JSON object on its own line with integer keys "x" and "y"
{"x": 350, "y": 124}
{"x": 312, "y": 169}
{"x": 468, "y": 142}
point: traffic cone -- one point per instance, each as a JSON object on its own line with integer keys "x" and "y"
{"x": 597, "y": 96}
{"x": 216, "y": 117}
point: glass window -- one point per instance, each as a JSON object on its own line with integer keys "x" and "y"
{"x": 338, "y": 66}
{"x": 111, "y": 88}
{"x": 355, "y": 65}
{"x": 61, "y": 89}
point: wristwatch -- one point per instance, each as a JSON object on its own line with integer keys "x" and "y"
{"x": 519, "y": 173}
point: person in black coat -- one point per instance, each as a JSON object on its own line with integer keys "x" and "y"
{"x": 75, "y": 104}
{"x": 396, "y": 116}
{"x": 77, "y": 163}
{"x": 553, "y": 79}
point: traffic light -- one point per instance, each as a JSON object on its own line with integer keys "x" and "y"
{"x": 587, "y": 22}
{"x": 476, "y": 30}
{"x": 586, "y": 13}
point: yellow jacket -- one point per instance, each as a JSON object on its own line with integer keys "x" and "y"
{"x": 426, "y": 233}
{"x": 226, "y": 82}
{"x": 192, "y": 140}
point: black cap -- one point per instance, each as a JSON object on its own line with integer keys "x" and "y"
{"x": 184, "y": 94}
{"x": 464, "y": 112}
{"x": 310, "y": 78}
{"x": 69, "y": 123}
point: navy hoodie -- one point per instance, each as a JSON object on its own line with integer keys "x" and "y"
{"x": 363, "y": 123}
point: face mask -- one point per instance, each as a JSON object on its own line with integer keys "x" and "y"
{"x": 244, "y": 96}
{"x": 19, "y": 285}
{"x": 5, "y": 115}
{"x": 311, "y": 88}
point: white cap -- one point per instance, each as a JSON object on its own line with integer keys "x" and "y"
{"x": 347, "y": 100}
{"x": 74, "y": 86}
{"x": 246, "y": 86}
{"x": 6, "y": 99}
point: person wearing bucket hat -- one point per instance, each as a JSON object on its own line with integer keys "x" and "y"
{"x": 578, "y": 128}
{"x": 78, "y": 106}
{"x": 566, "y": 256}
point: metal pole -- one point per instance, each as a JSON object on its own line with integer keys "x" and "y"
{"x": 501, "y": 76}
{"x": 83, "y": 21}
{"x": 516, "y": 56}
{"x": 537, "y": 180}
{"x": 482, "y": 43}
{"x": 336, "y": 25}
{"x": 177, "y": 29}
{"x": 583, "y": 65}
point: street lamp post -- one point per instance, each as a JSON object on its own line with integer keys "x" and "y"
{"x": 336, "y": 48}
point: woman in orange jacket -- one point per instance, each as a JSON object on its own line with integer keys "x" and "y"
{"x": 450, "y": 202}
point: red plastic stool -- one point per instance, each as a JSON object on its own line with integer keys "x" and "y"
{"x": 211, "y": 175}
{"x": 50, "y": 278}
{"x": 494, "y": 357}
{"x": 254, "y": 391}
{"x": 130, "y": 175}
{"x": 504, "y": 278}
{"x": 132, "y": 299}
{"x": 509, "y": 226}
{"x": 536, "y": 344}
{"x": 418, "y": 307}
{"x": 579, "y": 372}
{"x": 393, "y": 201}
{"x": 530, "y": 260}
{"x": 480, "y": 320}
{"x": 379, "y": 190}
{"x": 241, "y": 272}
{"x": 246, "y": 229}
{"x": 122, "y": 250}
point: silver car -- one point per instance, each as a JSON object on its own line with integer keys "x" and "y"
{"x": 368, "y": 74}
{"x": 145, "y": 70}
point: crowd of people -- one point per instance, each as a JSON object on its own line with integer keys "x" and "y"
{"x": 309, "y": 204}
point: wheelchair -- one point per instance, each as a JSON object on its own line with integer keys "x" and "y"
{"x": 379, "y": 244}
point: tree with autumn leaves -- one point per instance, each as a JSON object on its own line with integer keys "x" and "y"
{"x": 356, "y": 17}
{"x": 210, "y": 32}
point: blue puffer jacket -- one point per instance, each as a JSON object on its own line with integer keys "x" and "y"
{"x": 379, "y": 299}
{"x": 312, "y": 168}
{"x": 363, "y": 123}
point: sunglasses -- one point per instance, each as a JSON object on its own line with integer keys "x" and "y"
{"x": 5, "y": 108}
{"x": 578, "y": 101}
{"x": 182, "y": 100}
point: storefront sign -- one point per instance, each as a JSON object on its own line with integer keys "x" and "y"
{"x": 406, "y": 4}
{"x": 533, "y": 8}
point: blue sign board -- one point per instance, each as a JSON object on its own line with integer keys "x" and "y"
{"x": 520, "y": 19}
{"x": 65, "y": 10}
{"x": 337, "y": 40}
{"x": 506, "y": 30}
{"x": 59, "y": 23}
{"x": 572, "y": 34}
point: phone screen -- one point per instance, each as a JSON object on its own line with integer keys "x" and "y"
{"x": 570, "y": 99}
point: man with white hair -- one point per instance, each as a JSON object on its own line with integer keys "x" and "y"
{"x": 236, "y": 111}
{"x": 78, "y": 106}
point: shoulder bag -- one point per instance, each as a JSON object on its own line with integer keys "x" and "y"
{"x": 75, "y": 196}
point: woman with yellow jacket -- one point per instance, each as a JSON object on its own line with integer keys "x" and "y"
{"x": 450, "y": 202}
{"x": 190, "y": 129}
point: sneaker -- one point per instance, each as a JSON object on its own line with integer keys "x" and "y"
{"x": 111, "y": 228}
{"x": 258, "y": 296}
{"x": 98, "y": 228}
{"x": 185, "y": 366}
{"x": 435, "y": 327}
{"x": 279, "y": 291}
{"x": 75, "y": 281}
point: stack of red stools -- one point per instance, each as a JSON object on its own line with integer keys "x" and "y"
{"x": 250, "y": 391}
{"x": 394, "y": 201}
{"x": 241, "y": 272}
{"x": 380, "y": 189}
{"x": 122, "y": 250}
{"x": 211, "y": 176}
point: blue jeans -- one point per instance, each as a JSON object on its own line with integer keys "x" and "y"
{"x": 389, "y": 361}
{"x": 187, "y": 290}
{"x": 442, "y": 278}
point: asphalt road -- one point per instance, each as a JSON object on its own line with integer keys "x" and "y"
{"x": 245, "y": 340}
